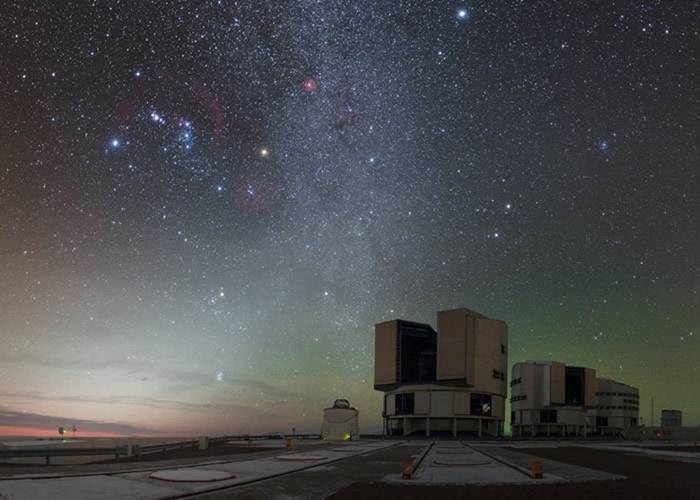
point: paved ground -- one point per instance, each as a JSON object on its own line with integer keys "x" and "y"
{"x": 561, "y": 470}
{"x": 323, "y": 481}
{"x": 647, "y": 479}
{"x": 138, "y": 484}
{"x": 154, "y": 461}
{"x": 369, "y": 469}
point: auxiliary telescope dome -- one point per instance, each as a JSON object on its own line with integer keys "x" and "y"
{"x": 340, "y": 422}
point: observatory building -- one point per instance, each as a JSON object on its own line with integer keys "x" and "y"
{"x": 552, "y": 398}
{"x": 617, "y": 408}
{"x": 452, "y": 380}
{"x": 671, "y": 418}
{"x": 340, "y": 422}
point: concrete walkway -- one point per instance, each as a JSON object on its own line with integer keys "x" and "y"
{"x": 132, "y": 485}
{"x": 450, "y": 463}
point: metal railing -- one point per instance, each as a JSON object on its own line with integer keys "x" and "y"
{"x": 138, "y": 450}
{"x": 260, "y": 437}
{"x": 47, "y": 453}
{"x": 148, "y": 449}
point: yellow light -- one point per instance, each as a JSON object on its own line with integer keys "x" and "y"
{"x": 347, "y": 436}
{"x": 264, "y": 152}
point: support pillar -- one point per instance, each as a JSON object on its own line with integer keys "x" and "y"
{"x": 479, "y": 427}
{"x": 427, "y": 426}
{"x": 454, "y": 426}
{"x": 405, "y": 427}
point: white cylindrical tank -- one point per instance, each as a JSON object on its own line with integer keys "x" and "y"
{"x": 340, "y": 422}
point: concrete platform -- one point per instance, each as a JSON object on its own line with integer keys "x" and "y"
{"x": 457, "y": 464}
{"x": 140, "y": 484}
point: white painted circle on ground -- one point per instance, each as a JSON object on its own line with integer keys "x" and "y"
{"x": 191, "y": 475}
{"x": 300, "y": 457}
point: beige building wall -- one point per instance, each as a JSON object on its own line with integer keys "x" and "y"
{"x": 421, "y": 403}
{"x": 557, "y": 381}
{"x": 535, "y": 385}
{"x": 461, "y": 403}
{"x": 490, "y": 336}
{"x": 442, "y": 403}
{"x": 618, "y": 403}
{"x": 590, "y": 398}
{"x": 452, "y": 345}
{"x": 498, "y": 409}
{"x": 385, "y": 338}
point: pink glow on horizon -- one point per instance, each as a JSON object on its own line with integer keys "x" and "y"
{"x": 51, "y": 432}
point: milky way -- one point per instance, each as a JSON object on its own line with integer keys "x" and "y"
{"x": 205, "y": 206}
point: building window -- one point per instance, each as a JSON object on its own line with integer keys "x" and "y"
{"x": 515, "y": 381}
{"x": 512, "y": 417}
{"x": 601, "y": 421}
{"x": 417, "y": 347}
{"x": 548, "y": 416}
{"x": 480, "y": 404}
{"x": 503, "y": 349}
{"x": 498, "y": 375}
{"x": 574, "y": 390}
{"x": 405, "y": 403}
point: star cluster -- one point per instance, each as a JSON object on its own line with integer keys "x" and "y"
{"x": 206, "y": 205}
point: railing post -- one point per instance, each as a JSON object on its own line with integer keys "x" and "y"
{"x": 48, "y": 459}
{"x": 203, "y": 443}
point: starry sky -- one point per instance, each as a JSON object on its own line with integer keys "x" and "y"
{"x": 205, "y": 205}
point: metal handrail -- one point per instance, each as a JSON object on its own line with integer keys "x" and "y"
{"x": 47, "y": 453}
{"x": 123, "y": 450}
{"x": 163, "y": 447}
{"x": 259, "y": 437}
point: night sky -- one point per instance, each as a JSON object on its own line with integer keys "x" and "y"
{"x": 205, "y": 206}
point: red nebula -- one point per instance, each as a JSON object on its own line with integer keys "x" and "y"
{"x": 309, "y": 85}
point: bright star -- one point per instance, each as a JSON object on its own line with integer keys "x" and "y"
{"x": 463, "y": 14}
{"x": 115, "y": 143}
{"x": 264, "y": 152}
{"x": 309, "y": 85}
